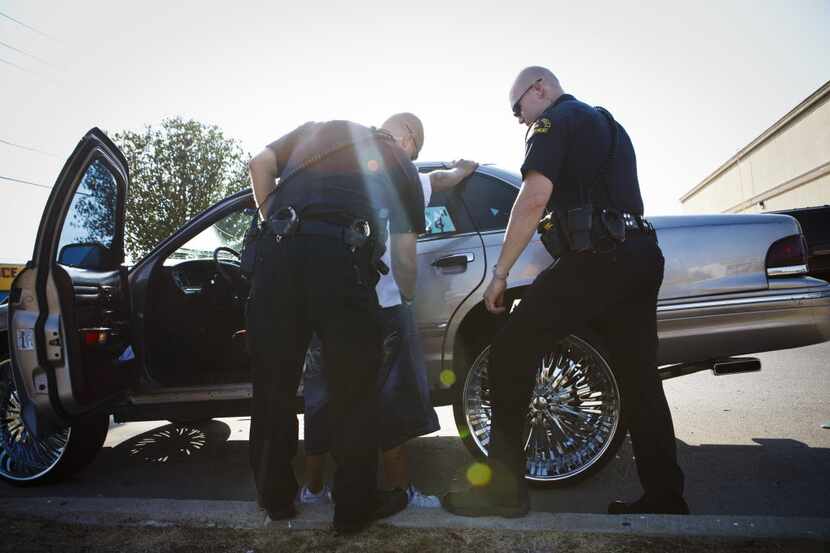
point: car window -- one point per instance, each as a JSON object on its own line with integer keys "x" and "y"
{"x": 227, "y": 232}
{"x": 489, "y": 201}
{"x": 445, "y": 215}
{"x": 438, "y": 220}
{"x": 90, "y": 220}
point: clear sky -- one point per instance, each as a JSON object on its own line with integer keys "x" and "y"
{"x": 692, "y": 82}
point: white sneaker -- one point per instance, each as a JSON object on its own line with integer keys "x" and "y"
{"x": 308, "y": 497}
{"x": 417, "y": 499}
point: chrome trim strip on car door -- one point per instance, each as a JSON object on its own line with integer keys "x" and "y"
{"x": 743, "y": 301}
{"x": 787, "y": 271}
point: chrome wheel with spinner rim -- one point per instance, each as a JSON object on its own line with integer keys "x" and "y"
{"x": 573, "y": 424}
{"x": 24, "y": 457}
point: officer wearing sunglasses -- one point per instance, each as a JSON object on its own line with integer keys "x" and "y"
{"x": 579, "y": 167}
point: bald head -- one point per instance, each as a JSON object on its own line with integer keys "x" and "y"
{"x": 541, "y": 80}
{"x": 408, "y": 132}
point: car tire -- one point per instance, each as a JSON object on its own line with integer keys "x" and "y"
{"x": 26, "y": 460}
{"x": 557, "y": 455}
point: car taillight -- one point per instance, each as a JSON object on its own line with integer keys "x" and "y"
{"x": 787, "y": 257}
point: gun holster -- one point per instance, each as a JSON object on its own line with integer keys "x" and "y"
{"x": 358, "y": 236}
{"x": 283, "y": 223}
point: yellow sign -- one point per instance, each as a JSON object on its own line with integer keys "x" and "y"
{"x": 7, "y": 274}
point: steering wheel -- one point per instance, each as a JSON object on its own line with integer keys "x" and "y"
{"x": 227, "y": 275}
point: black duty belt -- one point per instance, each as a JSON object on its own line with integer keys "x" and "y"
{"x": 637, "y": 223}
{"x": 356, "y": 235}
{"x": 322, "y": 228}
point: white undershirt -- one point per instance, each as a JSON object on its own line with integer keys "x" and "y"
{"x": 389, "y": 295}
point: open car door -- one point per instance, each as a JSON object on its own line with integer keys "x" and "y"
{"x": 69, "y": 308}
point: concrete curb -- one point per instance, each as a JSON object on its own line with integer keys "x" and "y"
{"x": 246, "y": 515}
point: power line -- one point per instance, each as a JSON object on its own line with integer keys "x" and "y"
{"x": 30, "y": 72}
{"x": 27, "y": 148}
{"x": 15, "y": 65}
{"x": 28, "y": 26}
{"x": 25, "y": 182}
{"x": 18, "y": 50}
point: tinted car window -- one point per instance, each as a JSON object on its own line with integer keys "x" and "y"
{"x": 90, "y": 220}
{"x": 489, "y": 201}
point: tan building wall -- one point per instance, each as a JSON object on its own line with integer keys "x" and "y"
{"x": 787, "y": 167}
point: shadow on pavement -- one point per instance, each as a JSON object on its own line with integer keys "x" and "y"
{"x": 778, "y": 477}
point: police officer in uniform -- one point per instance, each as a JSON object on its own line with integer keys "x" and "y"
{"x": 579, "y": 165}
{"x": 321, "y": 238}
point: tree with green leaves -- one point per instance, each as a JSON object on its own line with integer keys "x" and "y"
{"x": 177, "y": 170}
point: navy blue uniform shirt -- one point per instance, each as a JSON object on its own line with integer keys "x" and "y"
{"x": 371, "y": 174}
{"x": 569, "y": 143}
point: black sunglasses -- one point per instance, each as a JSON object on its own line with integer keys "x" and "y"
{"x": 517, "y": 110}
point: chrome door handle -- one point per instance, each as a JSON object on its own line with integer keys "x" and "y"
{"x": 454, "y": 259}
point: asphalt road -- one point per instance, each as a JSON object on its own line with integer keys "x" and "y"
{"x": 750, "y": 444}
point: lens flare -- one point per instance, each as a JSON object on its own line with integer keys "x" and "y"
{"x": 447, "y": 378}
{"x": 479, "y": 474}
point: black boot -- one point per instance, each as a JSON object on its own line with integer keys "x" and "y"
{"x": 486, "y": 500}
{"x": 670, "y": 504}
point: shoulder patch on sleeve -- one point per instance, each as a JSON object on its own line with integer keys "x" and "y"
{"x": 541, "y": 126}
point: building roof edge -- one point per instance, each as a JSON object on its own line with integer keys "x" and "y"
{"x": 811, "y": 100}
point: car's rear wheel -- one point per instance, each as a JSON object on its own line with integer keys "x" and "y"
{"x": 26, "y": 459}
{"x": 574, "y": 424}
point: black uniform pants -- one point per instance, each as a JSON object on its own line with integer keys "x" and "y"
{"x": 616, "y": 294}
{"x": 302, "y": 285}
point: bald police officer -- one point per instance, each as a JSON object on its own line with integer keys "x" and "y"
{"x": 340, "y": 185}
{"x": 580, "y": 166}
